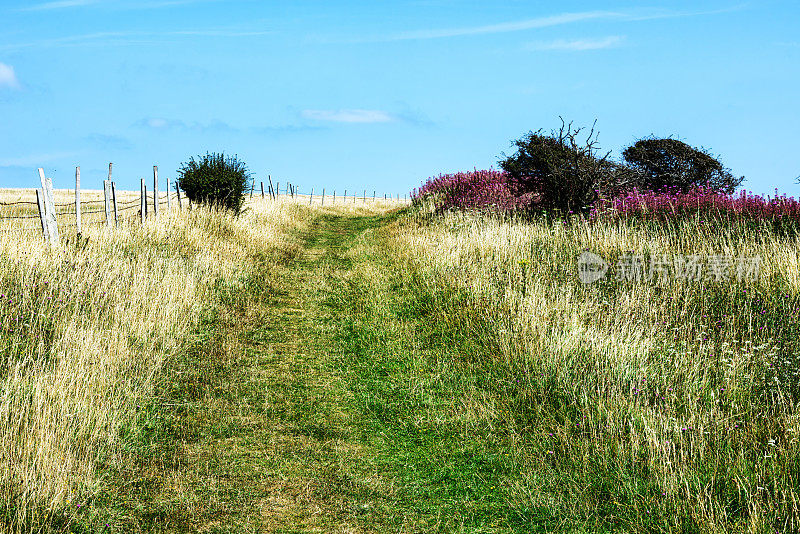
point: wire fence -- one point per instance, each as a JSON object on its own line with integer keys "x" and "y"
{"x": 46, "y": 211}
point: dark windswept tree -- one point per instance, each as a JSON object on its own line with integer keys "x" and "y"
{"x": 563, "y": 172}
{"x": 215, "y": 180}
{"x": 672, "y": 163}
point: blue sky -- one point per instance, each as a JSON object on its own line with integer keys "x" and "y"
{"x": 382, "y": 95}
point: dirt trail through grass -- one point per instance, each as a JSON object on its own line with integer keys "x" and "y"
{"x": 308, "y": 404}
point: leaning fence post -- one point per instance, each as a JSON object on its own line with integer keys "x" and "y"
{"x": 143, "y": 202}
{"x": 107, "y": 201}
{"x": 49, "y": 208}
{"x": 262, "y": 190}
{"x": 114, "y": 201}
{"x": 78, "y": 199}
{"x": 271, "y": 191}
{"x": 42, "y": 214}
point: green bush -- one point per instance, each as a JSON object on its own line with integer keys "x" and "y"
{"x": 216, "y": 180}
{"x": 562, "y": 172}
{"x": 674, "y": 164}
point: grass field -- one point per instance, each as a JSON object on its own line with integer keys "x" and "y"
{"x": 353, "y": 368}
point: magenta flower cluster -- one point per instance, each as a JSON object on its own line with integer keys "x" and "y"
{"x": 669, "y": 203}
{"x": 475, "y": 190}
{"x": 496, "y": 191}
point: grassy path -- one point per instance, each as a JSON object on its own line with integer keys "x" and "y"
{"x": 310, "y": 403}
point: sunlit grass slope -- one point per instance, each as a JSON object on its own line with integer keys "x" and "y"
{"x": 85, "y": 328}
{"x": 665, "y": 405}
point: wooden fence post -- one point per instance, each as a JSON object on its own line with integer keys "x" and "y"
{"x": 155, "y": 192}
{"x": 334, "y": 197}
{"x": 271, "y": 191}
{"x": 169, "y": 197}
{"x": 143, "y": 202}
{"x": 310, "y": 198}
{"x": 178, "y": 193}
{"x": 78, "y": 199}
{"x": 364, "y": 201}
{"x": 114, "y": 200}
{"x": 42, "y": 214}
{"x": 107, "y": 201}
{"x": 277, "y": 189}
{"x": 49, "y": 208}
{"x": 262, "y": 190}
{"x": 323, "y": 197}
{"x": 373, "y": 196}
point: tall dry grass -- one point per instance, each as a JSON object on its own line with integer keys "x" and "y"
{"x": 86, "y": 326}
{"x": 664, "y": 405}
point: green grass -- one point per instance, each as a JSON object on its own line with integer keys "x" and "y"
{"x": 357, "y": 385}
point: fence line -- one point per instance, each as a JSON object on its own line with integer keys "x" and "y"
{"x": 48, "y": 212}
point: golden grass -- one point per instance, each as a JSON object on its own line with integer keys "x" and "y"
{"x": 84, "y": 330}
{"x": 665, "y": 375}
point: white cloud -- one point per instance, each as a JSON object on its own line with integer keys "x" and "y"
{"x": 7, "y": 77}
{"x": 348, "y": 115}
{"x": 577, "y": 44}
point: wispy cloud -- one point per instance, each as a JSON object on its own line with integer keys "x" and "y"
{"x": 535, "y": 23}
{"x": 35, "y": 160}
{"x": 66, "y": 4}
{"x": 577, "y": 45}
{"x": 116, "y": 142}
{"x": 348, "y": 115}
{"x": 8, "y": 77}
{"x": 59, "y": 4}
{"x": 131, "y": 38}
{"x": 162, "y": 124}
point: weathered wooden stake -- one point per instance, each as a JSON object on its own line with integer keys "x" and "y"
{"x": 373, "y": 196}
{"x": 42, "y": 214}
{"x": 310, "y": 198}
{"x": 334, "y": 197}
{"x": 271, "y": 190}
{"x": 178, "y": 193}
{"x": 365, "y": 197}
{"x": 323, "y": 197}
{"x": 114, "y": 200}
{"x": 78, "y": 199}
{"x": 169, "y": 198}
{"x": 277, "y": 189}
{"x": 49, "y": 208}
{"x": 107, "y": 201}
{"x": 143, "y": 202}
{"x": 155, "y": 192}
{"x": 262, "y": 190}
